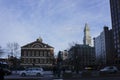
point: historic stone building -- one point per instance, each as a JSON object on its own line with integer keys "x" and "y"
{"x": 37, "y": 53}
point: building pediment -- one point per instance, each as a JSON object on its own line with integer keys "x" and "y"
{"x": 37, "y": 44}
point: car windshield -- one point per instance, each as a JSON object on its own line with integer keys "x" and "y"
{"x": 40, "y": 69}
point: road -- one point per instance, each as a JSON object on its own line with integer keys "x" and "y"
{"x": 98, "y": 78}
{"x": 49, "y": 76}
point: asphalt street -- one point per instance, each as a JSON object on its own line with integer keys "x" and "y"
{"x": 49, "y": 76}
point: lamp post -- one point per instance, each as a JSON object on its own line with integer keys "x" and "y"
{"x": 59, "y": 62}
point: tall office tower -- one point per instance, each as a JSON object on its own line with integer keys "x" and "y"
{"x": 87, "y": 37}
{"x": 115, "y": 16}
{"x": 104, "y": 47}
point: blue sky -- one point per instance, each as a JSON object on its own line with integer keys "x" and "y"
{"x": 58, "y": 22}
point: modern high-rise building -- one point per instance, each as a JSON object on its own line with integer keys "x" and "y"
{"x": 104, "y": 47}
{"x": 87, "y": 37}
{"x": 115, "y": 16}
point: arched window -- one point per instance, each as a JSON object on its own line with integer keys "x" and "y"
{"x": 37, "y": 45}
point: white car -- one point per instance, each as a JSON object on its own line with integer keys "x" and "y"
{"x": 109, "y": 69}
{"x": 32, "y": 72}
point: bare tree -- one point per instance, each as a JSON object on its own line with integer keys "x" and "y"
{"x": 1, "y": 51}
{"x": 71, "y": 44}
{"x": 13, "y": 48}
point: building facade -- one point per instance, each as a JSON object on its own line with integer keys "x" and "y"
{"x": 82, "y": 55}
{"x": 115, "y": 16}
{"x": 104, "y": 47}
{"x": 64, "y": 55}
{"x": 87, "y": 37}
{"x": 37, "y": 53}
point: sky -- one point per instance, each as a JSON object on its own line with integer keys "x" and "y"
{"x": 58, "y": 22}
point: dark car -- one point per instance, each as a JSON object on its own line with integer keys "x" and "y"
{"x": 7, "y": 71}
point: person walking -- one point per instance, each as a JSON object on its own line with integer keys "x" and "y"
{"x": 2, "y": 73}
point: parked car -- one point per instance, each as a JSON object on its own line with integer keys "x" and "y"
{"x": 32, "y": 72}
{"x": 109, "y": 69}
{"x": 87, "y": 71}
{"x": 7, "y": 71}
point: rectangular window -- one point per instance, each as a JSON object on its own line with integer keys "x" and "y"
{"x": 25, "y": 60}
{"x": 37, "y": 53}
{"x": 28, "y": 60}
{"x": 49, "y": 53}
{"x": 45, "y": 61}
{"x": 41, "y": 61}
{"x": 24, "y": 53}
{"x": 28, "y": 53}
{"x": 32, "y": 53}
{"x": 38, "y": 60}
{"x": 41, "y": 53}
{"x": 45, "y": 54}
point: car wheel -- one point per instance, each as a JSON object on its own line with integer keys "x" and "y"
{"x": 23, "y": 74}
{"x": 38, "y": 74}
{"x": 6, "y": 73}
{"x": 115, "y": 71}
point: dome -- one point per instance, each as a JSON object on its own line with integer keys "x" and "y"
{"x": 39, "y": 39}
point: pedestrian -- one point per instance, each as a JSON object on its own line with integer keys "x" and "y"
{"x": 54, "y": 69}
{"x": 2, "y": 73}
{"x": 58, "y": 71}
{"x": 63, "y": 69}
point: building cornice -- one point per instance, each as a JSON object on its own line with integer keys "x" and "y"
{"x": 37, "y": 57}
{"x": 39, "y": 48}
{"x": 37, "y": 64}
